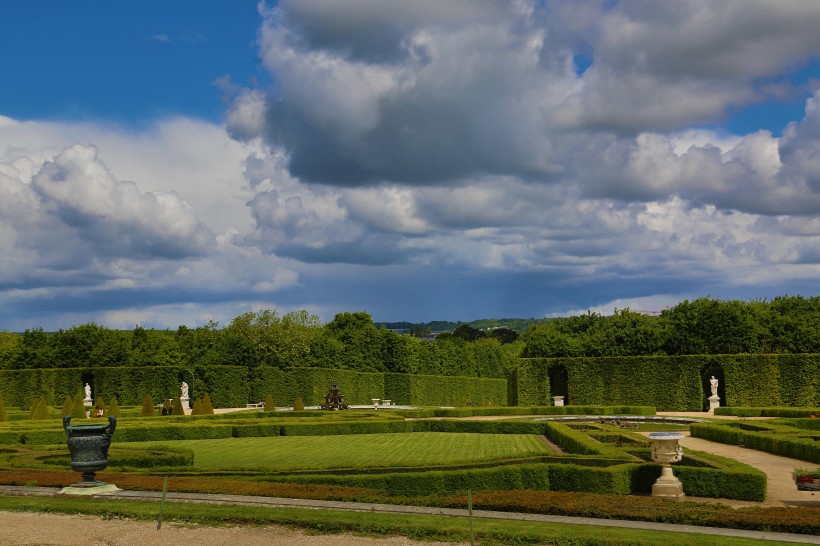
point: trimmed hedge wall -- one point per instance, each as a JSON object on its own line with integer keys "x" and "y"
{"x": 768, "y": 412}
{"x": 675, "y": 383}
{"x": 235, "y": 386}
{"x": 435, "y": 390}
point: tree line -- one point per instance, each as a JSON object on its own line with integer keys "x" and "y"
{"x": 788, "y": 324}
{"x": 264, "y": 338}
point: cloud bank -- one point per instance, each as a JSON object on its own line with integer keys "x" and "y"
{"x": 453, "y": 160}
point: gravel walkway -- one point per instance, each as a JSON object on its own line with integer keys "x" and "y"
{"x": 26, "y": 528}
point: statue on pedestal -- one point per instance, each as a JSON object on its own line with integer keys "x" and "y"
{"x": 714, "y": 383}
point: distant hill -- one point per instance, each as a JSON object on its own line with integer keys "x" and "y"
{"x": 515, "y": 324}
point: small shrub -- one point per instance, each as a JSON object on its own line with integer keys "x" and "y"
{"x": 147, "y": 406}
{"x": 298, "y": 405}
{"x": 113, "y": 409}
{"x": 178, "y": 409}
{"x": 39, "y": 409}
{"x": 3, "y": 416}
{"x": 68, "y": 403}
{"x": 269, "y": 406}
{"x": 207, "y": 407}
{"x": 197, "y": 409}
{"x": 78, "y": 407}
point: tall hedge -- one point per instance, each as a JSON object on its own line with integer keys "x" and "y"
{"x": 435, "y": 390}
{"x": 675, "y": 383}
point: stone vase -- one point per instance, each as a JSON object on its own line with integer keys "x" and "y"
{"x": 88, "y": 446}
{"x": 666, "y": 450}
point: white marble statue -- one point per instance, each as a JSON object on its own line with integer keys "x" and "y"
{"x": 87, "y": 391}
{"x": 714, "y": 383}
{"x": 184, "y": 390}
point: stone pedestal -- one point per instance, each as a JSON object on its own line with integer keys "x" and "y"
{"x": 375, "y": 402}
{"x": 186, "y": 402}
{"x": 668, "y": 486}
{"x": 87, "y": 402}
{"x": 558, "y": 400}
{"x": 714, "y": 402}
{"x": 665, "y": 450}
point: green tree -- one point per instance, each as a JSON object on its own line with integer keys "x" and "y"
{"x": 73, "y": 347}
{"x": 547, "y": 340}
{"x": 35, "y": 351}
{"x": 113, "y": 409}
{"x": 626, "y": 333}
{"x": 178, "y": 409}
{"x": 78, "y": 406}
{"x": 39, "y": 409}
{"x": 68, "y": 404}
{"x": 468, "y": 333}
{"x": 361, "y": 340}
{"x": 207, "y": 407}
{"x": 147, "y": 406}
{"x": 707, "y": 326}
{"x": 298, "y": 405}
{"x": 99, "y": 406}
{"x": 9, "y": 347}
{"x": 276, "y": 341}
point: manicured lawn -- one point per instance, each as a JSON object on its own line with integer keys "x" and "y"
{"x": 356, "y": 451}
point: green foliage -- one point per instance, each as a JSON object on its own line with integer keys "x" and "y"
{"x": 99, "y": 407}
{"x": 113, "y": 409}
{"x": 78, "y": 406}
{"x": 178, "y": 409}
{"x": 197, "y": 409}
{"x": 39, "y": 409}
{"x": 427, "y": 390}
{"x": 772, "y": 439}
{"x": 269, "y": 405}
{"x": 3, "y": 416}
{"x": 206, "y": 408}
{"x": 273, "y": 340}
{"x": 298, "y": 405}
{"x": 68, "y": 404}
{"x": 147, "y": 406}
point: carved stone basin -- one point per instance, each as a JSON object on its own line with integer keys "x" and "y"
{"x": 666, "y": 450}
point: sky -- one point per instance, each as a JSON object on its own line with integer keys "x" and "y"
{"x": 168, "y": 163}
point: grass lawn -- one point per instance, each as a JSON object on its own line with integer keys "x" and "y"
{"x": 356, "y": 451}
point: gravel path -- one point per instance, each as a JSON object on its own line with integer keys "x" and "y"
{"x": 27, "y": 528}
{"x": 781, "y": 490}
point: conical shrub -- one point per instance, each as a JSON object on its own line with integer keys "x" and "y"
{"x": 68, "y": 403}
{"x": 207, "y": 407}
{"x": 78, "y": 407}
{"x": 197, "y": 410}
{"x": 147, "y": 406}
{"x": 269, "y": 403}
{"x": 99, "y": 407}
{"x": 3, "y": 416}
{"x": 178, "y": 409}
{"x": 41, "y": 409}
{"x": 34, "y": 402}
{"x": 298, "y": 405}
{"x": 113, "y": 409}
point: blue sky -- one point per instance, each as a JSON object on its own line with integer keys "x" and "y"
{"x": 167, "y": 163}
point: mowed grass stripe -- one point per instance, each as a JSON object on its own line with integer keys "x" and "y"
{"x": 356, "y": 451}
